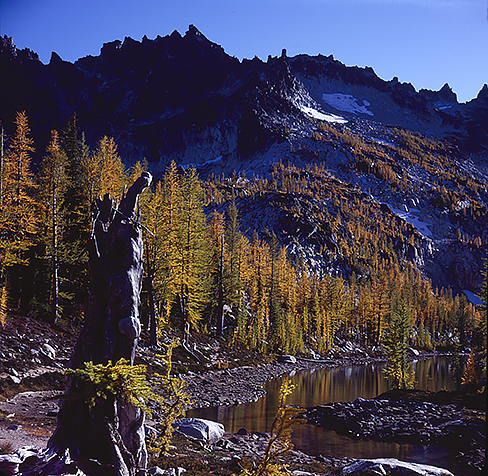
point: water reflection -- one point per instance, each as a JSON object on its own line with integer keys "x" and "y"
{"x": 334, "y": 385}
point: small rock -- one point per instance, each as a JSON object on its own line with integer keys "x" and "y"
{"x": 48, "y": 351}
{"x": 314, "y": 355}
{"x": 14, "y": 427}
{"x": 150, "y": 432}
{"x": 174, "y": 472}
{"x": 157, "y": 471}
{"x": 15, "y": 379}
{"x": 242, "y": 431}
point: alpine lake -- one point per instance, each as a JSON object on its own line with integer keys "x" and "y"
{"x": 340, "y": 384}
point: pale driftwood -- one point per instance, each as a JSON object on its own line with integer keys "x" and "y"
{"x": 110, "y": 435}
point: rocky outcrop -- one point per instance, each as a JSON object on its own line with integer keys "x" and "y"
{"x": 414, "y": 422}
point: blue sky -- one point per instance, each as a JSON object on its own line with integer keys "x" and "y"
{"x": 424, "y": 42}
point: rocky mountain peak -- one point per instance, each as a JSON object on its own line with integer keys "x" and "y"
{"x": 193, "y": 31}
{"x": 55, "y": 59}
{"x": 447, "y": 94}
{"x": 483, "y": 94}
{"x": 442, "y": 98}
{"x": 11, "y": 52}
{"x": 7, "y": 45}
{"x": 108, "y": 49}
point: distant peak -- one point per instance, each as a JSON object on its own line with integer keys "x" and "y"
{"x": 483, "y": 90}
{"x": 483, "y": 94}
{"x": 193, "y": 30}
{"x": 111, "y": 47}
{"x": 7, "y": 46}
{"x": 7, "y": 42}
{"x": 55, "y": 58}
{"x": 447, "y": 94}
{"x": 195, "y": 36}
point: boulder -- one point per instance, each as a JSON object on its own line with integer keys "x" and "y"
{"x": 288, "y": 359}
{"x": 206, "y": 430}
{"x": 382, "y": 466}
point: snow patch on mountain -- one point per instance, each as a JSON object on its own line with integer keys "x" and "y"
{"x": 347, "y": 103}
{"x": 473, "y": 298}
{"x": 383, "y": 142}
{"x": 410, "y": 216}
{"x": 321, "y": 116}
{"x": 206, "y": 163}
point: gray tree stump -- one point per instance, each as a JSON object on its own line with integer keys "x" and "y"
{"x": 108, "y": 438}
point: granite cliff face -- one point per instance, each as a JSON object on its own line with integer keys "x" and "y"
{"x": 183, "y": 98}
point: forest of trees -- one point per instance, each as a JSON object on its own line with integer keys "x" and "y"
{"x": 202, "y": 271}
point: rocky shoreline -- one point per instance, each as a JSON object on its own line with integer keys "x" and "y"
{"x": 405, "y": 420}
{"x": 246, "y": 384}
{"x": 417, "y": 422}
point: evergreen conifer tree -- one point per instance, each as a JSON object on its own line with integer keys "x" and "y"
{"x": 396, "y": 343}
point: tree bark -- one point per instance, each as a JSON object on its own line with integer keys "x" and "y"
{"x": 108, "y": 438}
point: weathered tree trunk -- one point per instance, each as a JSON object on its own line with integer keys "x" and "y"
{"x": 109, "y": 437}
